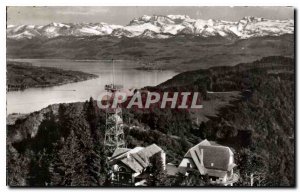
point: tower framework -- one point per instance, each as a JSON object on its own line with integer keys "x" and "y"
{"x": 114, "y": 132}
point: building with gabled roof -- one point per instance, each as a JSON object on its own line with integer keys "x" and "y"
{"x": 215, "y": 161}
{"x": 129, "y": 165}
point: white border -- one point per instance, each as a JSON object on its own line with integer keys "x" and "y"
{"x": 152, "y": 3}
{"x": 5, "y": 3}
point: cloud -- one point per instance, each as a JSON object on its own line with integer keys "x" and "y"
{"x": 83, "y": 10}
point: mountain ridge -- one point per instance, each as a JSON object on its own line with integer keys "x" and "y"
{"x": 160, "y": 25}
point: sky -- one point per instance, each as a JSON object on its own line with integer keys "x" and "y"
{"x": 123, "y": 15}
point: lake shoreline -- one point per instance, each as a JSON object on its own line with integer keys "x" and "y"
{"x": 139, "y": 67}
{"x": 51, "y": 85}
{"x": 23, "y": 75}
{"x": 35, "y": 98}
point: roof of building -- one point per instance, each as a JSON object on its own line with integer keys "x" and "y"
{"x": 119, "y": 151}
{"x": 136, "y": 159}
{"x": 214, "y": 158}
{"x": 202, "y": 143}
{"x": 132, "y": 164}
{"x": 150, "y": 150}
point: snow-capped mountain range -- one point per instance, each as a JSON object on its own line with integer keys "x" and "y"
{"x": 159, "y": 27}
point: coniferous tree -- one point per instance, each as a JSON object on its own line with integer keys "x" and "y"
{"x": 72, "y": 163}
{"x": 17, "y": 167}
{"x": 158, "y": 175}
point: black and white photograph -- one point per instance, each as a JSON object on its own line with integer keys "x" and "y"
{"x": 150, "y": 96}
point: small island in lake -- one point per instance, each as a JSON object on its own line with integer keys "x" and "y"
{"x": 22, "y": 75}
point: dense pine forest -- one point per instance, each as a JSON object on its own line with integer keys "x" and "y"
{"x": 62, "y": 145}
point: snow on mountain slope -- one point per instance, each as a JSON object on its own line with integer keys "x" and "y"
{"x": 182, "y": 17}
{"x": 25, "y": 34}
{"x": 148, "y": 34}
{"x": 89, "y": 31}
{"x": 158, "y": 26}
{"x": 139, "y": 29}
{"x": 173, "y": 29}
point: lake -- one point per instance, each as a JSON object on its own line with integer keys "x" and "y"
{"x": 34, "y": 99}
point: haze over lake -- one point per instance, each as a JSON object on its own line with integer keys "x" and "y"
{"x": 34, "y": 99}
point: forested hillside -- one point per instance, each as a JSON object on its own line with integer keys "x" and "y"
{"x": 63, "y": 144}
{"x": 260, "y": 126}
{"x": 22, "y": 75}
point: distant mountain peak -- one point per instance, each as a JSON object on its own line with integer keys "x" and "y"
{"x": 178, "y": 17}
{"x": 253, "y": 19}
